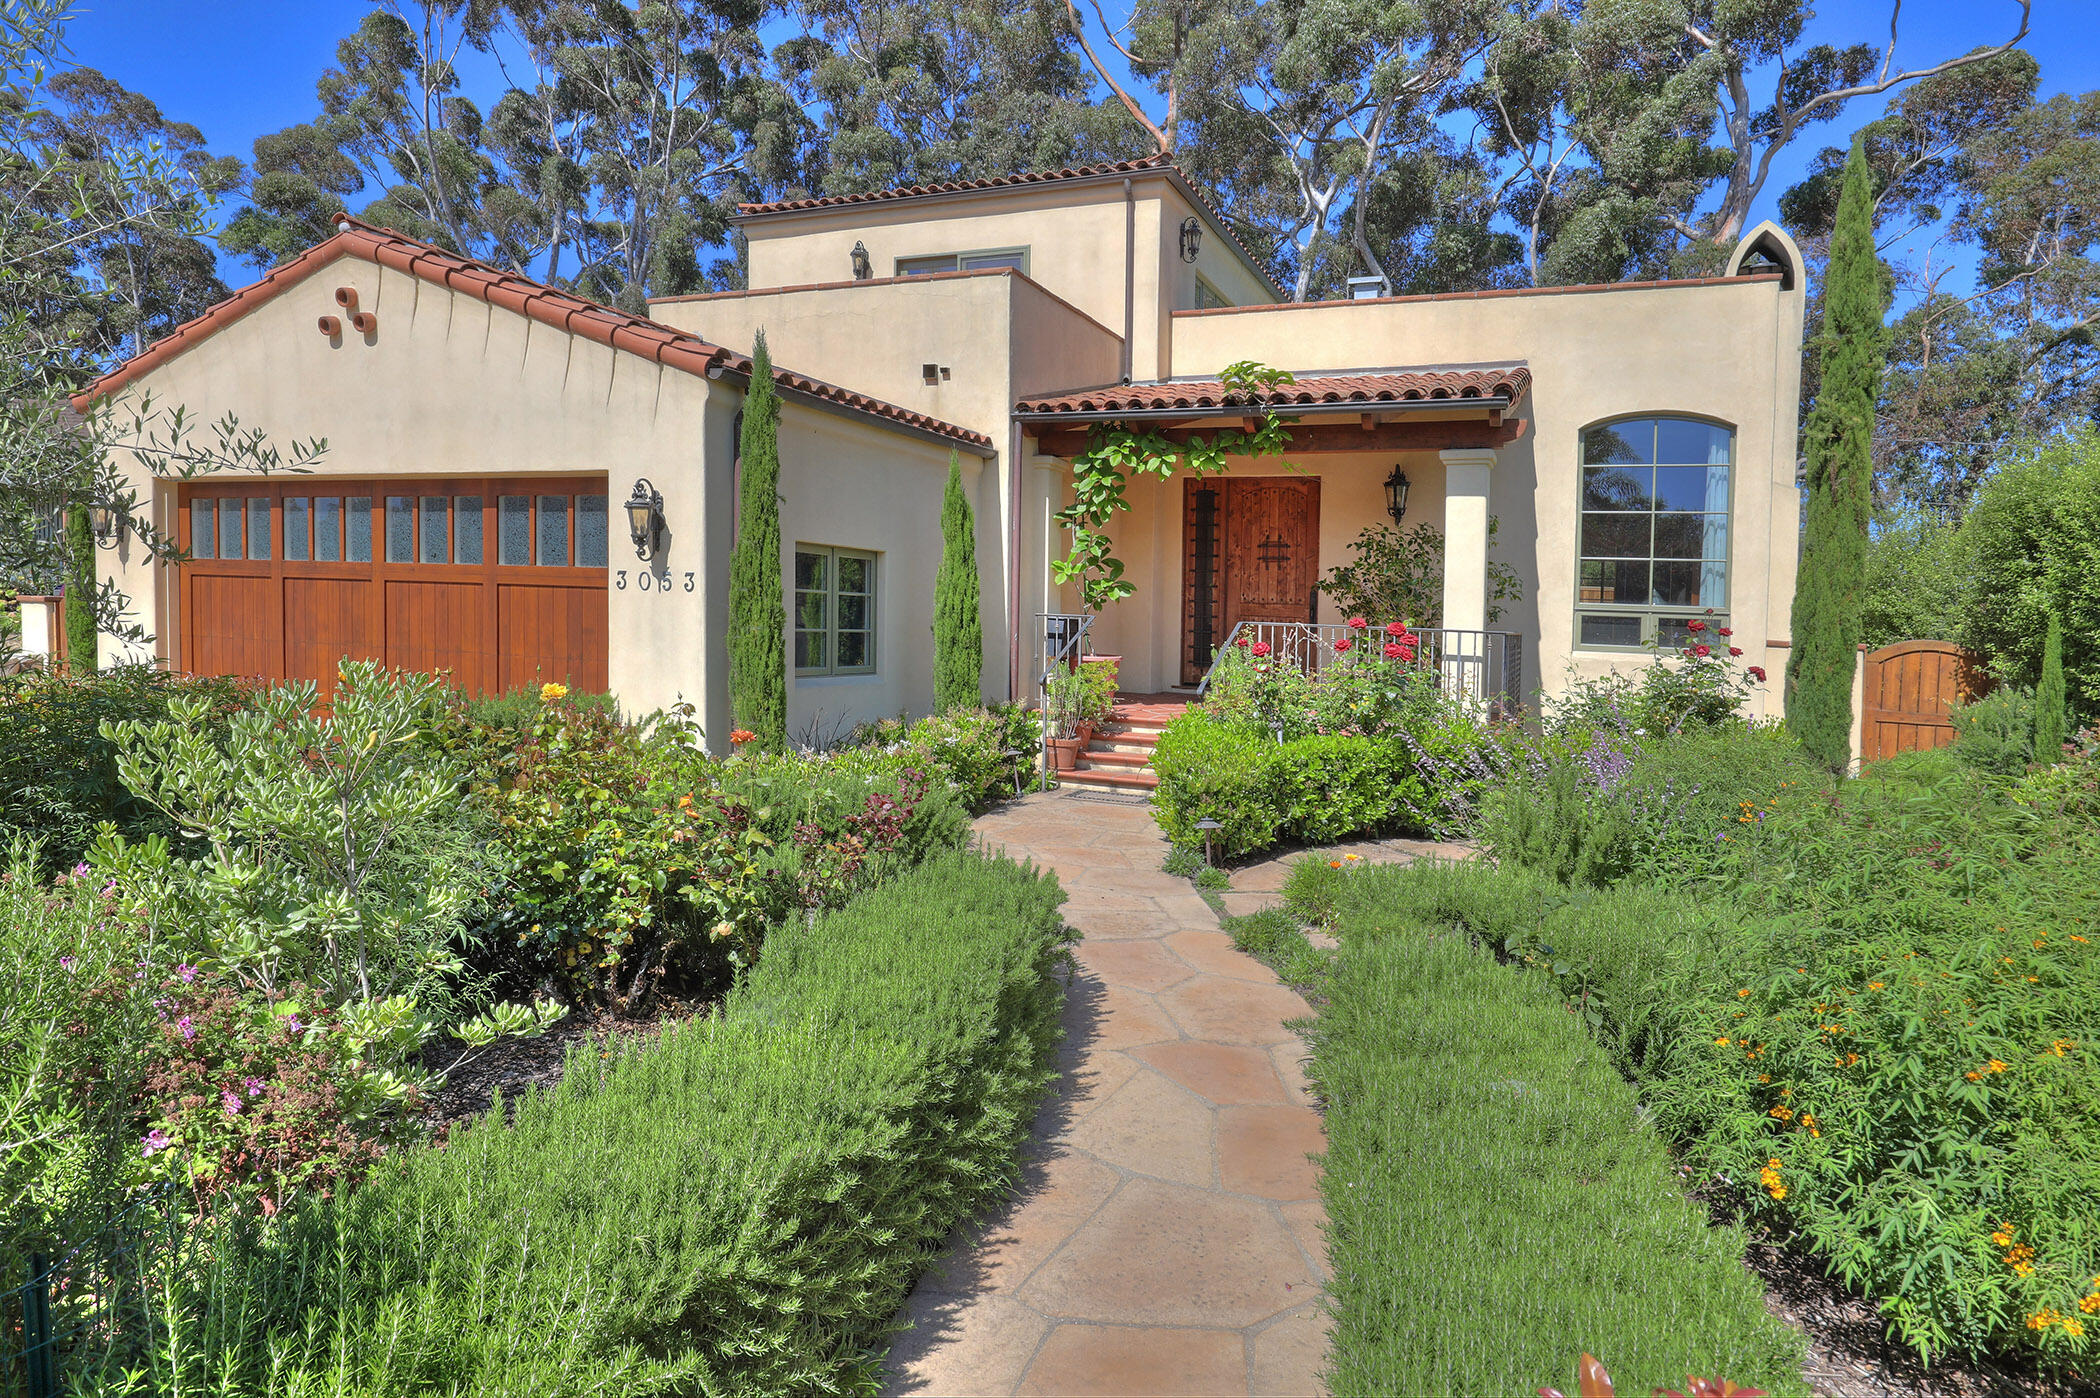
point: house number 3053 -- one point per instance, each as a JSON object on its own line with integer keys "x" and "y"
{"x": 650, "y": 582}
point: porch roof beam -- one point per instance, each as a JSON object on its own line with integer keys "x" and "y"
{"x": 1337, "y": 437}
{"x": 1490, "y": 406}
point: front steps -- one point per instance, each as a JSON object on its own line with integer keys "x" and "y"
{"x": 1119, "y": 758}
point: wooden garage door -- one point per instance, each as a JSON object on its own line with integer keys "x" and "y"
{"x": 499, "y": 582}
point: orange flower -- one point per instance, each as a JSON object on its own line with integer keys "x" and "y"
{"x": 740, "y": 736}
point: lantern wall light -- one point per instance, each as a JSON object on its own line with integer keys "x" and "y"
{"x": 1191, "y": 238}
{"x": 1396, "y": 487}
{"x": 863, "y": 268}
{"x": 645, "y": 518}
{"x": 107, "y": 521}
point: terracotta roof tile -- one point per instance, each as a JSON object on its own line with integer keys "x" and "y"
{"x": 1509, "y": 381}
{"x": 565, "y": 311}
{"x": 913, "y": 191}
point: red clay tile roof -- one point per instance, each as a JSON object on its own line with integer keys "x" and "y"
{"x": 914, "y": 191}
{"x": 674, "y": 349}
{"x": 1457, "y": 386}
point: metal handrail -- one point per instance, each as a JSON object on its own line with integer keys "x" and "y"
{"x": 1060, "y": 637}
{"x": 1482, "y": 665}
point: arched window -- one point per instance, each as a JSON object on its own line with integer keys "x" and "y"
{"x": 1653, "y": 537}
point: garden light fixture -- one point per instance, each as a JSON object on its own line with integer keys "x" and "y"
{"x": 1396, "y": 488}
{"x": 1207, "y": 825}
{"x": 645, "y": 518}
{"x": 862, "y": 267}
{"x": 1191, "y": 238}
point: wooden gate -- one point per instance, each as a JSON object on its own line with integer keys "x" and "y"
{"x": 1908, "y": 688}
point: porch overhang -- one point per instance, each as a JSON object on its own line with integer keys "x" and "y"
{"x": 1420, "y": 409}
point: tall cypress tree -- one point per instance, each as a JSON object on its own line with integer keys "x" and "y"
{"x": 1832, "y": 577}
{"x": 83, "y": 637}
{"x": 2052, "y": 704}
{"x": 757, "y": 611}
{"x": 958, "y": 629}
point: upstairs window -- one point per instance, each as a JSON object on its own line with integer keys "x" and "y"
{"x": 1016, "y": 258}
{"x": 1654, "y": 530}
{"x": 1208, "y": 297}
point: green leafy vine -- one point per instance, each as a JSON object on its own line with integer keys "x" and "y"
{"x": 1117, "y": 453}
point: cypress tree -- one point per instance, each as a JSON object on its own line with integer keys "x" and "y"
{"x": 958, "y": 629}
{"x": 82, "y": 636}
{"x": 757, "y": 611}
{"x": 2052, "y": 705}
{"x": 1830, "y": 584}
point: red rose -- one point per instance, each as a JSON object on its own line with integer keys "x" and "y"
{"x": 1357, "y": 623}
{"x": 1702, "y": 651}
{"x": 1695, "y": 626}
{"x": 1343, "y": 644}
{"x": 1396, "y": 628}
{"x": 1241, "y": 643}
{"x": 1735, "y": 650}
{"x": 1757, "y": 672}
{"x": 1394, "y": 650}
{"x": 1261, "y": 648}
{"x": 1723, "y": 631}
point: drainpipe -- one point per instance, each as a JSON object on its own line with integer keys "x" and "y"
{"x": 1129, "y": 274}
{"x": 1016, "y": 561}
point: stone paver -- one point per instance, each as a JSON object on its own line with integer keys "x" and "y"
{"x": 1165, "y": 1237}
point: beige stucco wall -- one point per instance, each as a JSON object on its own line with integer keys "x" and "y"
{"x": 997, "y": 335}
{"x": 450, "y": 385}
{"x": 1729, "y": 352}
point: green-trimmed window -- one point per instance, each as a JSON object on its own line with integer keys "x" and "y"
{"x": 1654, "y": 526}
{"x": 834, "y": 611}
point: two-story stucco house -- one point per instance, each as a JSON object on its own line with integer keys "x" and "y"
{"x": 1634, "y": 444}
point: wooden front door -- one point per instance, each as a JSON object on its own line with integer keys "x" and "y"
{"x": 1251, "y": 547}
{"x": 497, "y": 582}
{"x": 1908, "y": 689}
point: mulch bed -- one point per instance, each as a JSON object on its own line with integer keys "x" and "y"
{"x": 514, "y": 1066}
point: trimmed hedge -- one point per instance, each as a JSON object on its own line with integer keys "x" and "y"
{"x": 1496, "y": 1202}
{"x": 739, "y": 1207}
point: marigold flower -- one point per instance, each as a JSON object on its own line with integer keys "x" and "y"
{"x": 2060, "y": 1047}
{"x": 2042, "y": 1319}
{"x": 551, "y": 692}
{"x": 2004, "y": 1236}
{"x": 2073, "y": 1326}
{"x": 2090, "y": 1304}
{"x": 1994, "y": 1066}
{"x": 1741, "y": 993}
{"x": 1876, "y": 985}
{"x": 1781, "y": 1113}
{"x": 1721, "y": 1042}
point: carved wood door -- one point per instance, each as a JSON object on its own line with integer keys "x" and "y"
{"x": 1267, "y": 558}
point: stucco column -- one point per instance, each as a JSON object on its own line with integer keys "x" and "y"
{"x": 1466, "y": 477}
{"x": 1046, "y": 476}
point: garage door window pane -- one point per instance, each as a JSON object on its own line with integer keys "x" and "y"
{"x": 552, "y": 539}
{"x": 466, "y": 529}
{"x": 590, "y": 531}
{"x": 514, "y": 531}
{"x": 431, "y": 533}
{"x": 357, "y": 523}
{"x": 232, "y": 529}
{"x": 328, "y": 530}
{"x": 400, "y": 529}
{"x": 297, "y": 527}
{"x": 203, "y": 536}
{"x": 258, "y": 528}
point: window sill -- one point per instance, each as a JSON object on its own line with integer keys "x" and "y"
{"x": 827, "y": 681}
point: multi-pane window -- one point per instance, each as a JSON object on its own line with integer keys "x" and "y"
{"x": 834, "y": 611}
{"x": 1654, "y": 529}
{"x": 555, "y": 531}
{"x": 1016, "y": 258}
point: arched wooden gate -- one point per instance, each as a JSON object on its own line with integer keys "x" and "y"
{"x": 1908, "y": 689}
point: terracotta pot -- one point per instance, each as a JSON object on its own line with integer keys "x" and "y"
{"x": 1064, "y": 753}
{"x": 1086, "y": 731}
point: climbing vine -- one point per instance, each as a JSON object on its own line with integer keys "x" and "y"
{"x": 1116, "y": 453}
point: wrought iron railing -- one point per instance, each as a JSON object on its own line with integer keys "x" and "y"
{"x": 1487, "y": 666}
{"x": 1060, "y": 641}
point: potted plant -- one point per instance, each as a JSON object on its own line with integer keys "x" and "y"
{"x": 1065, "y": 725}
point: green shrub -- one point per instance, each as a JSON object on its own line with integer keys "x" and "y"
{"x": 984, "y": 754}
{"x": 516, "y": 710}
{"x": 1919, "y": 579}
{"x": 958, "y": 628}
{"x": 1995, "y": 733}
{"x": 1875, "y": 1010}
{"x": 2052, "y": 709}
{"x": 739, "y": 1206}
{"x": 757, "y": 610}
{"x": 58, "y": 773}
{"x": 1481, "y": 1147}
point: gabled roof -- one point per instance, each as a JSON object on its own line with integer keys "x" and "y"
{"x": 565, "y": 311}
{"x": 1495, "y": 385}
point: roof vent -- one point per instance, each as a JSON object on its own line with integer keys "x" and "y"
{"x": 1369, "y": 288}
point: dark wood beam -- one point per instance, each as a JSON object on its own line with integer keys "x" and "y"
{"x": 1327, "y": 439}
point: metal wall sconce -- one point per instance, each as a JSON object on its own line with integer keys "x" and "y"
{"x": 1191, "y": 238}
{"x": 862, "y": 267}
{"x": 1396, "y": 495}
{"x": 107, "y": 521}
{"x": 645, "y": 518}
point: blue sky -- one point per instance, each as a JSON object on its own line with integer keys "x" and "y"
{"x": 240, "y": 68}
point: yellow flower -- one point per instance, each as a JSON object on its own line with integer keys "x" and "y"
{"x": 1352, "y": 858}
{"x": 1781, "y": 1113}
{"x": 1875, "y": 985}
{"x": 2004, "y": 1236}
{"x": 1994, "y": 1066}
{"x": 2062, "y": 1046}
{"x": 1722, "y": 1042}
{"x": 551, "y": 692}
{"x": 1741, "y": 993}
{"x": 2074, "y": 1327}
{"x": 2042, "y": 1319}
{"x": 2090, "y": 1304}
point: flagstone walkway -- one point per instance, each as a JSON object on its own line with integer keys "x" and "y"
{"x": 1166, "y": 1235}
